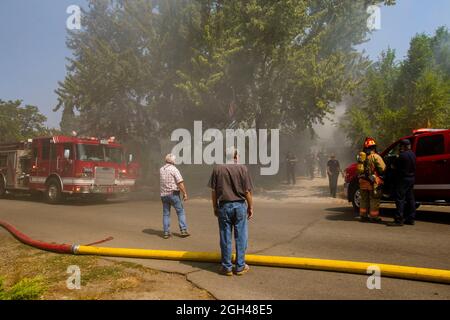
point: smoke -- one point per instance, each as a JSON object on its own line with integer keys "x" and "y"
{"x": 331, "y": 138}
{"x": 327, "y": 131}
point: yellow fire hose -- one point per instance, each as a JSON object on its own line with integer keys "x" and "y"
{"x": 386, "y": 270}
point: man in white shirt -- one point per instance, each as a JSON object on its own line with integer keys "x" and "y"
{"x": 171, "y": 185}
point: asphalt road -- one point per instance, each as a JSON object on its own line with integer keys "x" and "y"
{"x": 324, "y": 229}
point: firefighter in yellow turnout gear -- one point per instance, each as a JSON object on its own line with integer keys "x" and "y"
{"x": 370, "y": 169}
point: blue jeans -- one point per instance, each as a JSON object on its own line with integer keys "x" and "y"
{"x": 233, "y": 215}
{"x": 175, "y": 201}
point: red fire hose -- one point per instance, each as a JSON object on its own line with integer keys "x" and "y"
{"x": 53, "y": 247}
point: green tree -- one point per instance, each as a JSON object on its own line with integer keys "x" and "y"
{"x": 440, "y": 45}
{"x": 142, "y": 68}
{"x": 399, "y": 97}
{"x": 282, "y": 64}
{"x": 19, "y": 122}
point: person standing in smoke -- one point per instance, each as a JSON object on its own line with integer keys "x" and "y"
{"x": 333, "y": 170}
{"x": 322, "y": 160}
{"x": 309, "y": 164}
{"x": 291, "y": 163}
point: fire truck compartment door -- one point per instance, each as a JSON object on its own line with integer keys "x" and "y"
{"x": 11, "y": 169}
{"x": 432, "y": 168}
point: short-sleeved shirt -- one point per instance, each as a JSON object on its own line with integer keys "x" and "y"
{"x": 169, "y": 177}
{"x": 230, "y": 182}
{"x": 334, "y": 166}
{"x": 291, "y": 161}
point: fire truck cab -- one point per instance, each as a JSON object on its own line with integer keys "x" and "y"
{"x": 60, "y": 166}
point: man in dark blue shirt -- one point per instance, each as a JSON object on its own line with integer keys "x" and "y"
{"x": 405, "y": 171}
{"x": 333, "y": 170}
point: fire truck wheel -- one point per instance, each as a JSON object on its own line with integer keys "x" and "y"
{"x": 355, "y": 196}
{"x": 53, "y": 192}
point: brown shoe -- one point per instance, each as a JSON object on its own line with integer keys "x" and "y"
{"x": 243, "y": 271}
{"x": 185, "y": 234}
{"x": 225, "y": 272}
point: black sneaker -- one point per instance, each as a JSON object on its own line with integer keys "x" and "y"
{"x": 363, "y": 219}
{"x": 411, "y": 222}
{"x": 376, "y": 220}
{"x": 396, "y": 223}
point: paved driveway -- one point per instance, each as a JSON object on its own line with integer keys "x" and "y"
{"x": 324, "y": 229}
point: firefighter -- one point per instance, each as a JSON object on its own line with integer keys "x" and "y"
{"x": 370, "y": 181}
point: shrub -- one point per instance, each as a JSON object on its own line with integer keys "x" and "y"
{"x": 25, "y": 289}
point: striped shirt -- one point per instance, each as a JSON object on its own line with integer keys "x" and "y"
{"x": 169, "y": 177}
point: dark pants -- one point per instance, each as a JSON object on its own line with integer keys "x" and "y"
{"x": 291, "y": 175}
{"x": 404, "y": 199}
{"x": 333, "y": 180}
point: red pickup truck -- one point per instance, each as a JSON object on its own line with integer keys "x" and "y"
{"x": 432, "y": 149}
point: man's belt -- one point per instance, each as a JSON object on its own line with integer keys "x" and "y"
{"x": 221, "y": 203}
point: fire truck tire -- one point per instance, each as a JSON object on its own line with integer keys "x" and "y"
{"x": 355, "y": 196}
{"x": 53, "y": 193}
{"x": 2, "y": 187}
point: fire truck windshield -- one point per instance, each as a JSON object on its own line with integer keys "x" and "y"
{"x": 92, "y": 152}
{"x": 114, "y": 154}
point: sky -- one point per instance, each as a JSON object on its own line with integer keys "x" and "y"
{"x": 33, "y": 51}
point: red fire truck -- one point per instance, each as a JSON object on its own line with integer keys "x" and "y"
{"x": 432, "y": 149}
{"x": 60, "y": 166}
